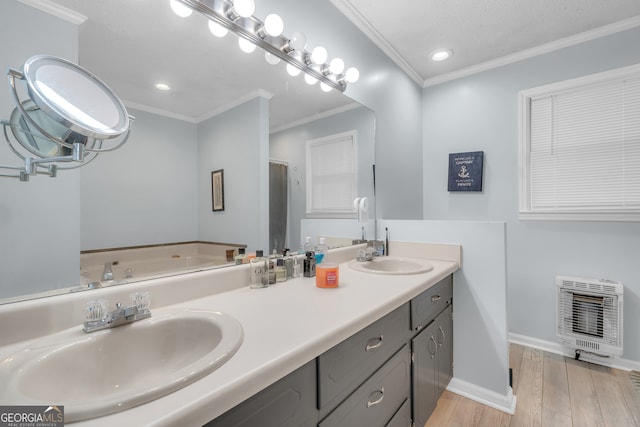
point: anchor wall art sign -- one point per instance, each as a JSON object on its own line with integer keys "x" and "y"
{"x": 465, "y": 171}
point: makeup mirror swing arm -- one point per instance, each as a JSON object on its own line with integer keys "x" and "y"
{"x": 31, "y": 164}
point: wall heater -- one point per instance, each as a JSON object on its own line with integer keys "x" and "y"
{"x": 589, "y": 315}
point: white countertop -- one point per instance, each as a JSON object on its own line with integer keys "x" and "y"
{"x": 285, "y": 326}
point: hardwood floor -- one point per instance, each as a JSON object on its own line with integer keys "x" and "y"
{"x": 552, "y": 391}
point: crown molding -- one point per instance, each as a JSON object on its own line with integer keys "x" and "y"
{"x": 365, "y": 26}
{"x": 596, "y": 33}
{"x": 56, "y": 10}
{"x": 314, "y": 117}
{"x": 158, "y": 111}
{"x": 259, "y": 93}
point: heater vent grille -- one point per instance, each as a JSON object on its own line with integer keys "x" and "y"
{"x": 589, "y": 315}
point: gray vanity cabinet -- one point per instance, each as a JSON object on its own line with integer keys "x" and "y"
{"x": 432, "y": 364}
{"x": 376, "y": 401}
{"x": 347, "y": 365}
{"x": 290, "y": 402}
{"x": 389, "y": 374}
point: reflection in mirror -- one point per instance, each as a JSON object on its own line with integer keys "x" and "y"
{"x": 156, "y": 189}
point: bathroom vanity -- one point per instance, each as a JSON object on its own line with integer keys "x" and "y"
{"x": 375, "y": 377}
{"x": 308, "y": 354}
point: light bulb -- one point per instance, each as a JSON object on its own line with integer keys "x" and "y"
{"x": 293, "y": 71}
{"x": 325, "y": 87}
{"x": 336, "y": 66}
{"x": 245, "y": 45}
{"x": 319, "y": 55}
{"x": 271, "y": 58}
{"x": 244, "y": 8}
{"x": 180, "y": 9}
{"x": 352, "y": 75}
{"x": 217, "y": 29}
{"x": 298, "y": 41}
{"x": 273, "y": 25}
{"x": 310, "y": 79}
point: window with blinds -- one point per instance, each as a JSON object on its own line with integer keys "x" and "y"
{"x": 331, "y": 175}
{"x": 580, "y": 148}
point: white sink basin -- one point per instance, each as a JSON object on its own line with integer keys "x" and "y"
{"x": 115, "y": 369}
{"x": 392, "y": 265}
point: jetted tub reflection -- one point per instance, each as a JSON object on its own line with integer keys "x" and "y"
{"x": 116, "y": 369}
{"x": 392, "y": 265}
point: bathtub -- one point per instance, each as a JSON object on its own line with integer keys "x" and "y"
{"x": 132, "y": 264}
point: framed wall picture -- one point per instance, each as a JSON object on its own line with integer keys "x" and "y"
{"x": 217, "y": 190}
{"x": 465, "y": 171}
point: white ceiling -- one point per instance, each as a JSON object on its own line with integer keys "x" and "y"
{"x": 130, "y": 50}
{"x": 482, "y": 33}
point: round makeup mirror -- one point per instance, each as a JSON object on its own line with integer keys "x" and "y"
{"x": 71, "y": 116}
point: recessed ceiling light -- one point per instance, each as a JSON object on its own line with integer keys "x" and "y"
{"x": 441, "y": 54}
{"x": 163, "y": 86}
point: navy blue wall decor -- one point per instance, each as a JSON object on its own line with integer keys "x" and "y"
{"x": 465, "y": 171}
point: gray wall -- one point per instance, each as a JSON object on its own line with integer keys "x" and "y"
{"x": 479, "y": 113}
{"x": 236, "y": 141}
{"x": 289, "y": 145}
{"x": 26, "y": 233}
{"x": 144, "y": 192}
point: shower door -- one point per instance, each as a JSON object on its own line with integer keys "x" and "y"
{"x": 277, "y": 205}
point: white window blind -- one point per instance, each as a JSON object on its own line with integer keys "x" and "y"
{"x": 331, "y": 174}
{"x": 583, "y": 150}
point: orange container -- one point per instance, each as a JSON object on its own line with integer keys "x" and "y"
{"x": 327, "y": 275}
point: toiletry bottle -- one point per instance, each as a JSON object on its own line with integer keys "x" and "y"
{"x": 321, "y": 251}
{"x": 259, "y": 271}
{"x": 308, "y": 246}
{"x": 297, "y": 266}
{"x": 288, "y": 263}
{"x": 281, "y": 271}
{"x": 271, "y": 270}
{"x": 239, "y": 259}
{"x": 310, "y": 265}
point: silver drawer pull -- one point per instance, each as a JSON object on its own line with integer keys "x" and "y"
{"x": 371, "y": 403}
{"x": 435, "y": 298}
{"x": 378, "y": 343}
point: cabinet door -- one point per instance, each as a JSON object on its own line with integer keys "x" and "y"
{"x": 290, "y": 402}
{"x": 425, "y": 368}
{"x": 444, "y": 338}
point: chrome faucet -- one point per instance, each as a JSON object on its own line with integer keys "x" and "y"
{"x": 97, "y": 317}
{"x": 367, "y": 255}
{"x": 107, "y": 273}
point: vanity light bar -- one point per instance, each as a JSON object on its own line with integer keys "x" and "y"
{"x": 252, "y": 29}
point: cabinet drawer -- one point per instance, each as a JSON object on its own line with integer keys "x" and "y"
{"x": 426, "y": 306}
{"x": 289, "y": 402}
{"x": 343, "y": 368}
{"x": 376, "y": 402}
{"x": 402, "y": 418}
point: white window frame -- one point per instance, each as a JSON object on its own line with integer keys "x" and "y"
{"x": 348, "y": 210}
{"x": 526, "y": 211}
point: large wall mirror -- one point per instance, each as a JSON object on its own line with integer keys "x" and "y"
{"x": 227, "y": 110}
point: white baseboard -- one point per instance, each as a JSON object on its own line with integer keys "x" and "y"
{"x": 505, "y": 403}
{"x": 557, "y": 348}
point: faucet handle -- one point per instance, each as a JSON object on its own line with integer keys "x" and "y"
{"x": 140, "y": 300}
{"x": 96, "y": 310}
